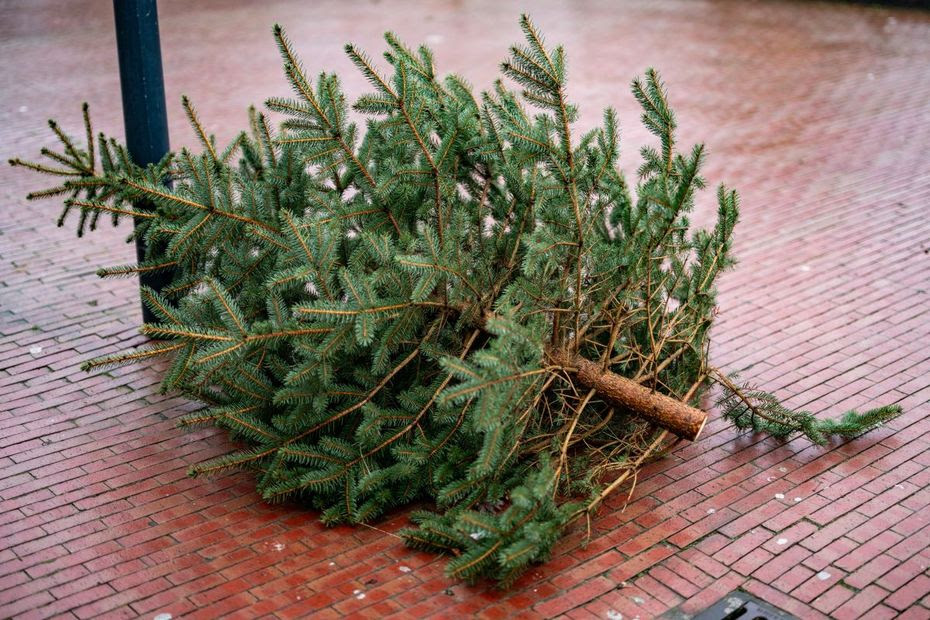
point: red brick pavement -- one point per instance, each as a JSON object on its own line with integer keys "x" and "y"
{"x": 818, "y": 112}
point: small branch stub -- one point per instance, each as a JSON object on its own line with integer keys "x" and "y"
{"x": 680, "y": 418}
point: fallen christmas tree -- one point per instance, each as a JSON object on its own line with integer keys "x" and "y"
{"x": 464, "y": 304}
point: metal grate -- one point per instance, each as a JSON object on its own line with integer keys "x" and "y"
{"x": 742, "y": 606}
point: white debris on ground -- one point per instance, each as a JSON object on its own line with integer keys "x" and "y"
{"x": 35, "y": 350}
{"x": 404, "y": 569}
{"x": 779, "y": 496}
{"x": 781, "y": 541}
{"x": 162, "y": 617}
{"x": 358, "y": 594}
{"x": 614, "y": 615}
{"x": 823, "y": 575}
{"x": 797, "y": 499}
{"x": 278, "y": 546}
{"x": 711, "y": 511}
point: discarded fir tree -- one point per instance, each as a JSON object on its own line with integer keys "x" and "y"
{"x": 464, "y": 302}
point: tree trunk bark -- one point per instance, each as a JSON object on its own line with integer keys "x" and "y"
{"x": 685, "y": 421}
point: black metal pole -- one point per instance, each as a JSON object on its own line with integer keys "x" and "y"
{"x": 143, "y": 88}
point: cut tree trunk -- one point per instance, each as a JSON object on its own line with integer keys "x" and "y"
{"x": 684, "y": 420}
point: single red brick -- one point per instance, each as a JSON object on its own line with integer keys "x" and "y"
{"x": 916, "y": 543}
{"x": 677, "y": 583}
{"x": 752, "y": 519}
{"x": 812, "y": 469}
{"x": 798, "y": 511}
{"x": 701, "y": 528}
{"x": 872, "y": 549}
{"x": 31, "y": 602}
{"x": 688, "y": 571}
{"x": 608, "y": 541}
{"x": 750, "y": 562}
{"x": 779, "y": 564}
{"x": 106, "y": 604}
{"x": 871, "y": 571}
{"x": 879, "y": 523}
{"x": 575, "y": 597}
{"x": 704, "y": 562}
{"x": 917, "y": 501}
{"x": 640, "y": 563}
{"x": 785, "y": 540}
{"x": 840, "y": 506}
{"x": 633, "y": 600}
{"x": 910, "y": 593}
{"x": 832, "y": 598}
{"x": 742, "y": 546}
{"x": 11, "y": 580}
{"x": 818, "y": 584}
{"x": 829, "y": 554}
{"x": 903, "y": 573}
{"x": 712, "y": 543}
{"x": 795, "y": 576}
{"x": 834, "y": 530}
{"x": 912, "y": 523}
{"x": 78, "y": 599}
{"x": 860, "y": 604}
{"x": 590, "y": 568}
{"x": 651, "y": 536}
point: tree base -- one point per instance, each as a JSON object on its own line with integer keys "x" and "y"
{"x": 680, "y": 418}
